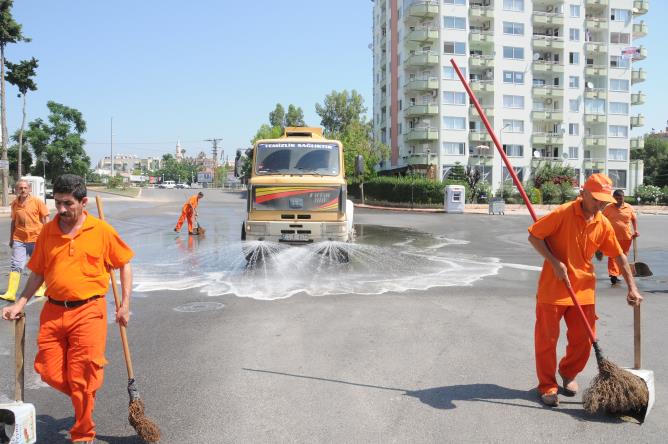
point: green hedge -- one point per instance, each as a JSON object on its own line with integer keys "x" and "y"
{"x": 403, "y": 189}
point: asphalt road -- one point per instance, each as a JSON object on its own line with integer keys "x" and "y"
{"x": 419, "y": 356}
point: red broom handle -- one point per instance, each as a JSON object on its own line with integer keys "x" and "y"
{"x": 518, "y": 184}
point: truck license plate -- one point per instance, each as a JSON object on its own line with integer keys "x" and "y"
{"x": 293, "y": 237}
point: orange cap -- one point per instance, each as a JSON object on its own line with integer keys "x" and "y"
{"x": 600, "y": 187}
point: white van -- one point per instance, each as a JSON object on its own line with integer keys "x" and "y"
{"x": 169, "y": 184}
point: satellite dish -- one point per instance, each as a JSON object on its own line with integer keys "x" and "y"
{"x": 564, "y": 155}
{"x": 536, "y": 154}
{"x": 590, "y": 85}
{"x": 536, "y": 56}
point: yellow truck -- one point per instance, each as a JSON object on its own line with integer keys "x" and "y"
{"x": 297, "y": 190}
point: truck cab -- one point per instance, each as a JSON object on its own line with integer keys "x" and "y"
{"x": 297, "y": 190}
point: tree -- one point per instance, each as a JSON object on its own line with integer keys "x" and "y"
{"x": 20, "y": 75}
{"x": 10, "y": 32}
{"x": 358, "y": 140}
{"x": 295, "y": 116}
{"x": 13, "y": 157}
{"x": 277, "y": 116}
{"x": 655, "y": 158}
{"x": 340, "y": 110}
{"x": 60, "y": 140}
{"x": 267, "y": 132}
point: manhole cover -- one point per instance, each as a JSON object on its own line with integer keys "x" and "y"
{"x": 194, "y": 307}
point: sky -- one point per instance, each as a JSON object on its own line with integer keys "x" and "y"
{"x": 167, "y": 70}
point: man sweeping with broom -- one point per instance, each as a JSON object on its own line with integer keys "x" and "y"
{"x": 573, "y": 231}
{"x": 72, "y": 256}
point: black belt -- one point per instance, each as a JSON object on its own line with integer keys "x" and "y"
{"x": 74, "y": 304}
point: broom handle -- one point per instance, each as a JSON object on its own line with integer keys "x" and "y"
{"x": 117, "y": 302}
{"x": 637, "y": 338}
{"x": 518, "y": 184}
{"x": 635, "y": 250}
{"x": 19, "y": 348}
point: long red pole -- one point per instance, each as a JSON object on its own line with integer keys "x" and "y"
{"x": 518, "y": 184}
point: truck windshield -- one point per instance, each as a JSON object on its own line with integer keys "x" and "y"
{"x": 297, "y": 158}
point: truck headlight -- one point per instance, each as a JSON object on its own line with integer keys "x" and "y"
{"x": 256, "y": 228}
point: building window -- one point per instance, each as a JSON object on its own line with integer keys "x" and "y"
{"x": 454, "y": 123}
{"x": 513, "y": 150}
{"x": 574, "y": 34}
{"x": 618, "y": 178}
{"x": 618, "y": 108}
{"x": 575, "y": 10}
{"x": 513, "y": 5}
{"x": 618, "y": 131}
{"x": 573, "y": 81}
{"x": 594, "y": 106}
{"x": 513, "y": 126}
{"x": 519, "y": 171}
{"x": 620, "y": 37}
{"x": 574, "y": 105}
{"x": 516, "y": 77}
{"x": 454, "y": 98}
{"x": 619, "y": 85}
{"x": 513, "y": 28}
{"x": 573, "y": 152}
{"x": 511, "y": 52}
{"x": 574, "y": 129}
{"x": 449, "y": 73}
{"x": 454, "y": 148}
{"x": 450, "y": 22}
{"x": 618, "y": 154}
{"x": 574, "y": 58}
{"x": 620, "y": 62}
{"x": 620, "y": 15}
{"x": 454, "y": 2}
{"x": 458, "y": 48}
{"x": 513, "y": 102}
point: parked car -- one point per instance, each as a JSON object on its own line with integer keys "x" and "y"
{"x": 182, "y": 185}
{"x": 168, "y": 184}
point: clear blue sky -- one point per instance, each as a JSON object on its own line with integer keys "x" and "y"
{"x": 168, "y": 70}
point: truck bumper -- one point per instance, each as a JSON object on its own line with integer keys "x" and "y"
{"x": 297, "y": 233}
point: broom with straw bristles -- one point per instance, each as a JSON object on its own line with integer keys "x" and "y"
{"x": 613, "y": 389}
{"x": 146, "y": 429}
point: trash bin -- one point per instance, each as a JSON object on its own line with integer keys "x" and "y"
{"x": 497, "y": 205}
{"x": 454, "y": 198}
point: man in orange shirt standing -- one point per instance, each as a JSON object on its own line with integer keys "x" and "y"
{"x": 73, "y": 255}
{"x": 567, "y": 238}
{"x": 188, "y": 211}
{"x": 621, "y": 215}
{"x": 29, "y": 214}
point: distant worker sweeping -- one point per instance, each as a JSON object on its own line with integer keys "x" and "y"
{"x": 574, "y": 231}
{"x": 621, "y": 215}
{"x": 29, "y": 214}
{"x": 73, "y": 256}
{"x": 189, "y": 213}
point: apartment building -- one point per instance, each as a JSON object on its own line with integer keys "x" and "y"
{"x": 555, "y": 79}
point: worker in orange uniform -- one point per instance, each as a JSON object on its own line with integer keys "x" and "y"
{"x": 29, "y": 215}
{"x": 189, "y": 211}
{"x": 567, "y": 238}
{"x": 621, "y": 215}
{"x": 73, "y": 255}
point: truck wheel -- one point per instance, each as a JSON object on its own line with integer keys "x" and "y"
{"x": 243, "y": 231}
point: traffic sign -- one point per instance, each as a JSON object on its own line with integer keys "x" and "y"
{"x": 4, "y": 164}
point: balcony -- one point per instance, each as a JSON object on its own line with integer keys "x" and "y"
{"x": 423, "y": 58}
{"x": 421, "y": 134}
{"x": 596, "y": 70}
{"x": 421, "y": 110}
{"x": 597, "y": 24}
{"x": 546, "y": 66}
{"x": 423, "y": 35}
{"x": 637, "y": 121}
{"x": 422, "y": 84}
{"x": 548, "y": 18}
{"x": 641, "y": 54}
{"x": 596, "y": 3}
{"x": 423, "y": 9}
{"x": 595, "y": 140}
{"x": 484, "y": 61}
{"x": 640, "y": 7}
{"x": 594, "y": 163}
{"x": 473, "y": 112}
{"x": 596, "y": 118}
{"x": 479, "y": 136}
{"x": 484, "y": 12}
{"x": 596, "y": 93}
{"x": 418, "y": 158}
{"x": 482, "y": 86}
{"x": 481, "y": 38}
{"x": 548, "y": 91}
{"x": 547, "y": 115}
{"x": 547, "y": 42}
{"x": 547, "y": 138}
{"x": 637, "y": 143}
{"x": 638, "y": 98}
{"x": 638, "y": 75}
{"x": 596, "y": 47}
{"x": 639, "y": 30}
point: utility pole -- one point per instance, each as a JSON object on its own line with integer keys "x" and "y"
{"x": 214, "y": 150}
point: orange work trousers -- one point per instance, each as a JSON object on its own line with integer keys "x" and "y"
{"x": 70, "y": 357}
{"x": 186, "y": 213}
{"x": 613, "y": 268}
{"x": 578, "y": 347}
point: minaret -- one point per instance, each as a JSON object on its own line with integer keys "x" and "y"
{"x": 179, "y": 155}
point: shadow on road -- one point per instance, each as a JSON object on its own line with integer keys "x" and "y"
{"x": 445, "y": 397}
{"x": 55, "y": 431}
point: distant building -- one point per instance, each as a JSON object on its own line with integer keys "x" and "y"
{"x": 127, "y": 164}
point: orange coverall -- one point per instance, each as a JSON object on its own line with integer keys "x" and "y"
{"x": 187, "y": 212}
{"x": 573, "y": 240}
{"x": 71, "y": 341}
{"x": 621, "y": 219}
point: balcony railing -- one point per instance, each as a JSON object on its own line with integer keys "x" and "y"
{"x": 640, "y": 7}
{"x": 547, "y": 42}
{"x": 548, "y": 18}
{"x": 547, "y": 66}
{"x": 422, "y": 84}
{"x": 596, "y": 2}
{"x": 482, "y": 85}
{"x": 596, "y": 70}
{"x": 595, "y": 140}
{"x": 547, "y": 138}
{"x": 481, "y": 11}
{"x": 641, "y": 54}
{"x": 638, "y": 75}
{"x": 482, "y": 61}
{"x": 479, "y": 136}
{"x": 424, "y": 58}
{"x": 637, "y": 121}
{"x": 473, "y": 112}
{"x": 639, "y": 30}
{"x": 422, "y": 110}
{"x": 418, "y": 134}
{"x": 422, "y": 35}
{"x": 548, "y": 91}
{"x": 596, "y": 47}
{"x": 481, "y": 37}
{"x": 596, "y": 118}
{"x": 638, "y": 98}
{"x": 637, "y": 143}
{"x": 423, "y": 8}
{"x": 547, "y": 115}
{"x": 596, "y": 93}
{"x": 594, "y": 163}
{"x": 596, "y": 24}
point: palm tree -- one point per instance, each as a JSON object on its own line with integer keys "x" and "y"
{"x": 20, "y": 75}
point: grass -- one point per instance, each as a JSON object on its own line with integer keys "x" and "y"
{"x": 127, "y": 192}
